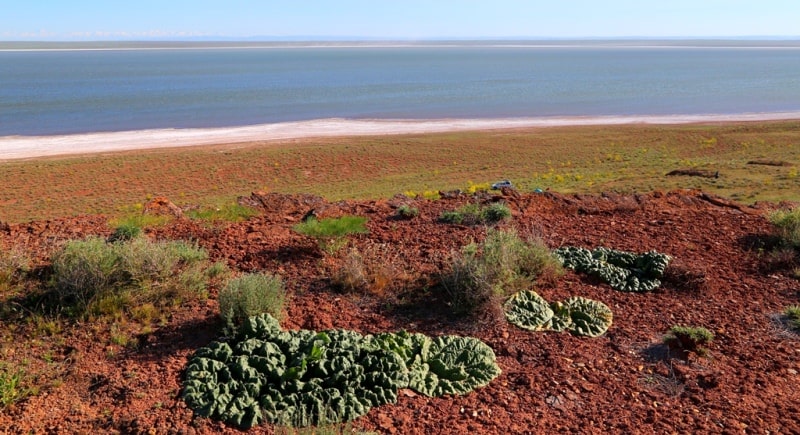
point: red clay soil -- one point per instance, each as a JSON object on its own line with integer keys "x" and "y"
{"x": 623, "y": 382}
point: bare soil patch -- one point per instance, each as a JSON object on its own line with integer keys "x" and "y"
{"x": 623, "y": 381}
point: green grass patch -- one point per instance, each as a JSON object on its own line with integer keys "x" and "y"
{"x": 689, "y": 339}
{"x": 331, "y": 233}
{"x": 579, "y": 159}
{"x": 229, "y": 212}
{"x": 787, "y": 225}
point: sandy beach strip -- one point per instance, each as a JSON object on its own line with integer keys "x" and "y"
{"x": 24, "y": 147}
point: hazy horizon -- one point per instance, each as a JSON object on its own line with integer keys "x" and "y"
{"x": 422, "y": 20}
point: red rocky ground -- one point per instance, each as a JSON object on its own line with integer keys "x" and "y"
{"x": 622, "y": 382}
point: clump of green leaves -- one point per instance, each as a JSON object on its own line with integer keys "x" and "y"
{"x": 476, "y": 214}
{"x": 249, "y": 295}
{"x": 302, "y": 378}
{"x": 787, "y": 225}
{"x": 501, "y": 265}
{"x": 331, "y": 233}
{"x": 689, "y": 339}
{"x": 624, "y": 271}
{"x": 111, "y": 276}
{"x": 578, "y": 315}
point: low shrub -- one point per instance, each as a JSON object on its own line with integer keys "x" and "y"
{"x": 500, "y": 266}
{"x": 14, "y": 267}
{"x": 792, "y": 314}
{"x": 331, "y": 233}
{"x": 495, "y": 212}
{"x": 407, "y": 212}
{"x": 475, "y": 214}
{"x": 374, "y": 269}
{"x": 250, "y": 295}
{"x": 115, "y": 276}
{"x": 125, "y": 231}
{"x": 82, "y": 269}
{"x": 787, "y": 225}
{"x": 689, "y": 339}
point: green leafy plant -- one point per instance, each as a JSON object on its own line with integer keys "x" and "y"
{"x": 624, "y": 271}
{"x": 689, "y": 339}
{"x": 250, "y": 295}
{"x": 502, "y": 264}
{"x": 11, "y": 389}
{"x": 331, "y": 233}
{"x": 302, "y": 378}
{"x": 578, "y": 315}
{"x": 475, "y": 214}
{"x": 787, "y": 224}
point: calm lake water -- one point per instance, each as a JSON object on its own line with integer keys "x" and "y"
{"x": 49, "y": 92}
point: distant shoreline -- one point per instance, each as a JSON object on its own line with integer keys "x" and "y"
{"x": 26, "y": 147}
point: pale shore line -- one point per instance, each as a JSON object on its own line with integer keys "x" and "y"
{"x": 22, "y": 147}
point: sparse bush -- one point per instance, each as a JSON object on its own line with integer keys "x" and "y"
{"x": 331, "y": 233}
{"x": 689, "y": 339}
{"x": 407, "y": 212}
{"x": 250, "y": 295}
{"x": 500, "y": 266}
{"x": 372, "y": 271}
{"x": 84, "y": 268}
{"x": 787, "y": 224}
{"x": 14, "y": 266}
{"x": 110, "y": 278}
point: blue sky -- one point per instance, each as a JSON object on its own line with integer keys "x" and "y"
{"x": 393, "y": 19}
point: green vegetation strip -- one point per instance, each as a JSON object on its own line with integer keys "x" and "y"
{"x": 624, "y": 271}
{"x": 302, "y": 378}
{"x": 578, "y": 315}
